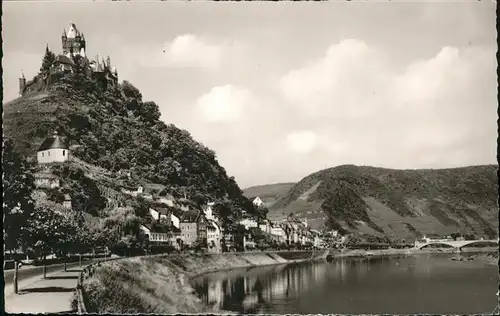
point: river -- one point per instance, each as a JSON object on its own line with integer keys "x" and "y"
{"x": 422, "y": 284}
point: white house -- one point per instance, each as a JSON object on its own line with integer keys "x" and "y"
{"x": 248, "y": 242}
{"x": 137, "y": 192}
{"x": 157, "y": 215}
{"x": 265, "y": 226}
{"x": 214, "y": 236}
{"x": 46, "y": 180}
{"x": 52, "y": 150}
{"x": 140, "y": 190}
{"x": 67, "y": 201}
{"x": 258, "y": 202}
{"x": 249, "y": 222}
{"x": 209, "y": 212}
{"x": 167, "y": 200}
{"x": 155, "y": 236}
{"x": 161, "y": 234}
{"x": 175, "y": 220}
{"x": 315, "y": 238}
{"x": 278, "y": 234}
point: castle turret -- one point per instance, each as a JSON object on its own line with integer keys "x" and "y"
{"x": 73, "y": 41}
{"x": 22, "y": 83}
{"x": 73, "y": 31}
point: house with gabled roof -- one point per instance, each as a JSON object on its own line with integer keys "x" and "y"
{"x": 170, "y": 215}
{"x": 257, "y": 201}
{"x": 208, "y": 210}
{"x": 158, "y": 233}
{"x": 214, "y": 236}
{"x": 193, "y": 225}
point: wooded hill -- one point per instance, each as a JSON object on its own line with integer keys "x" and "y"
{"x": 397, "y": 203}
{"x": 110, "y": 129}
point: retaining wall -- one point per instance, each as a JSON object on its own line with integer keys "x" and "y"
{"x": 159, "y": 283}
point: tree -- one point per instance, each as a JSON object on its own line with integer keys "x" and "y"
{"x": 18, "y": 184}
{"x": 130, "y": 91}
{"x": 67, "y": 238}
{"x": 48, "y": 60}
{"x": 200, "y": 244}
{"x": 149, "y": 111}
{"x": 455, "y": 236}
{"x": 45, "y": 230}
{"x": 180, "y": 243}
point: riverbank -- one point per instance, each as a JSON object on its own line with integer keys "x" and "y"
{"x": 488, "y": 255}
{"x": 160, "y": 284}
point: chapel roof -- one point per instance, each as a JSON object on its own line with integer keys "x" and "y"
{"x": 53, "y": 142}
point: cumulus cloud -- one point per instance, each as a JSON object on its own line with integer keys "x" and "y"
{"x": 189, "y": 50}
{"x": 366, "y": 110}
{"x": 337, "y": 84}
{"x": 224, "y": 103}
{"x": 185, "y": 51}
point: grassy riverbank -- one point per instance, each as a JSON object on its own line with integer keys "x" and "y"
{"x": 160, "y": 284}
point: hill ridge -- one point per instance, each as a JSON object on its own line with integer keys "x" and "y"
{"x": 447, "y": 199}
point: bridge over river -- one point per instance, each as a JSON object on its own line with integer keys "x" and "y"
{"x": 457, "y": 243}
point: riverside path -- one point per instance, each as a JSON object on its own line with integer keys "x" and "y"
{"x": 51, "y": 295}
{"x": 37, "y": 295}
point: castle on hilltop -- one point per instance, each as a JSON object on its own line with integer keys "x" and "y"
{"x": 73, "y": 42}
{"x": 73, "y": 58}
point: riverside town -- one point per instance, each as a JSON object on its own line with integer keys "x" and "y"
{"x": 111, "y": 206}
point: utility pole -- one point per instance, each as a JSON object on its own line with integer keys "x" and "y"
{"x": 16, "y": 272}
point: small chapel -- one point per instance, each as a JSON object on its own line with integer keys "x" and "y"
{"x": 52, "y": 150}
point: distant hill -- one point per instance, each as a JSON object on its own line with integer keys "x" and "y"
{"x": 397, "y": 203}
{"x": 269, "y": 193}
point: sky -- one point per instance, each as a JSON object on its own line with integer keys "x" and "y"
{"x": 283, "y": 89}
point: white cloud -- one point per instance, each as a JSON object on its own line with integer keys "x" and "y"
{"x": 302, "y": 141}
{"x": 184, "y": 51}
{"x": 192, "y": 51}
{"x": 224, "y": 103}
{"x": 338, "y": 84}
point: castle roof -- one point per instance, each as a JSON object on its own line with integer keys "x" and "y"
{"x": 53, "y": 142}
{"x": 73, "y": 31}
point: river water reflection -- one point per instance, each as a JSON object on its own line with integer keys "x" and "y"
{"x": 430, "y": 284}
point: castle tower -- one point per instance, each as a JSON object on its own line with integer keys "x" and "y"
{"x": 73, "y": 42}
{"x": 22, "y": 83}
